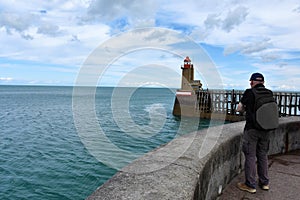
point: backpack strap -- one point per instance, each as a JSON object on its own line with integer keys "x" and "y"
{"x": 262, "y": 95}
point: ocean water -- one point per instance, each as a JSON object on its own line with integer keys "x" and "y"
{"x": 42, "y": 154}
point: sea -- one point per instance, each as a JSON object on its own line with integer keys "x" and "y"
{"x": 44, "y": 153}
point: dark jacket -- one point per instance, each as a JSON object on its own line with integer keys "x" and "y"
{"x": 248, "y": 101}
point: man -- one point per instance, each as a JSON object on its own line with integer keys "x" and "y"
{"x": 255, "y": 141}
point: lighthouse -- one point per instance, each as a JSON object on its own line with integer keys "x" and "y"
{"x": 187, "y": 74}
{"x": 187, "y": 80}
{"x": 186, "y": 96}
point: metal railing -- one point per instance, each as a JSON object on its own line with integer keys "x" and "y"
{"x": 226, "y": 101}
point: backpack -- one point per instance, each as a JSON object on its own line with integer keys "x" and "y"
{"x": 266, "y": 109}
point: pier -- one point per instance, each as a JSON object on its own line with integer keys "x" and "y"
{"x": 207, "y": 164}
{"x": 194, "y": 101}
{"x": 162, "y": 174}
{"x": 223, "y": 103}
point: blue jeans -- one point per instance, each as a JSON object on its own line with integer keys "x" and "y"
{"x": 256, "y": 146}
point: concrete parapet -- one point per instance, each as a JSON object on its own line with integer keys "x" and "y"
{"x": 194, "y": 166}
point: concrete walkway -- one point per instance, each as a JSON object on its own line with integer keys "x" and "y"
{"x": 284, "y": 173}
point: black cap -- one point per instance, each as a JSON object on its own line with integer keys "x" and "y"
{"x": 257, "y": 77}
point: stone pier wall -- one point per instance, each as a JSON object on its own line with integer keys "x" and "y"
{"x": 194, "y": 166}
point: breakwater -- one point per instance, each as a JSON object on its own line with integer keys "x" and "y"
{"x": 202, "y": 169}
{"x": 194, "y": 101}
{"x": 222, "y": 104}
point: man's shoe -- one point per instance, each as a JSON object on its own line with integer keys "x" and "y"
{"x": 264, "y": 187}
{"x": 244, "y": 187}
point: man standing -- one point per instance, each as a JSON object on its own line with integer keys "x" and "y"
{"x": 255, "y": 141}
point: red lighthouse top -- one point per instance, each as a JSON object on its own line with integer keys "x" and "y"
{"x": 187, "y": 63}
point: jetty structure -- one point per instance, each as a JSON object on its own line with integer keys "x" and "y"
{"x": 181, "y": 170}
{"x": 194, "y": 101}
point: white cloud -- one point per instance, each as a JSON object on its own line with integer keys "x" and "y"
{"x": 234, "y": 18}
{"x": 249, "y": 47}
{"x": 297, "y": 9}
{"x": 66, "y": 32}
{"x": 6, "y": 79}
{"x": 212, "y": 21}
{"x": 280, "y": 76}
{"x": 49, "y": 29}
{"x": 19, "y": 23}
{"x": 132, "y": 12}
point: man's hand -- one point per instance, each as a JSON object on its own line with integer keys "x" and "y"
{"x": 240, "y": 108}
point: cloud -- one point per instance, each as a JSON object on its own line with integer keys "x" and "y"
{"x": 297, "y": 9}
{"x": 157, "y": 35}
{"x": 280, "y": 75}
{"x": 6, "y": 79}
{"x": 75, "y": 38}
{"x": 65, "y": 32}
{"x": 121, "y": 14}
{"x": 270, "y": 56}
{"x": 212, "y": 21}
{"x": 234, "y": 18}
{"x": 249, "y": 47}
{"x": 252, "y": 30}
{"x": 111, "y": 10}
{"x": 49, "y": 29}
{"x": 31, "y": 19}
{"x": 23, "y": 22}
{"x": 16, "y": 22}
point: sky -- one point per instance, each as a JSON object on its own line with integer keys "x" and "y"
{"x": 143, "y": 43}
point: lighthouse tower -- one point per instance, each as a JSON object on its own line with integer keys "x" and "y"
{"x": 187, "y": 80}
{"x": 187, "y": 74}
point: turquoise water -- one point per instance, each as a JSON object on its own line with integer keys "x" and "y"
{"x": 42, "y": 155}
